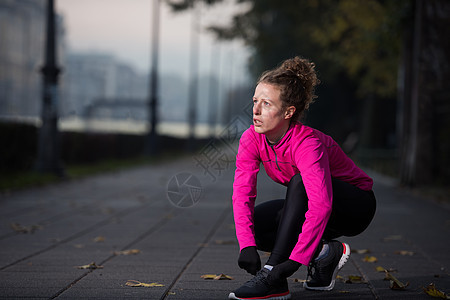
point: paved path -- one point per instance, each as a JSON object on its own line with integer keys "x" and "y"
{"x": 83, "y": 221}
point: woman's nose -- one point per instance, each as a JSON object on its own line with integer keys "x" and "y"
{"x": 256, "y": 108}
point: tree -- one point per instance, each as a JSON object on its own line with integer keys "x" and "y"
{"x": 424, "y": 120}
{"x": 394, "y": 55}
{"x": 355, "y": 44}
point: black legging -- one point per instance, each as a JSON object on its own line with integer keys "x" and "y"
{"x": 279, "y": 222}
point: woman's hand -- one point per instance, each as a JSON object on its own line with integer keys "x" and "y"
{"x": 283, "y": 270}
{"x": 249, "y": 260}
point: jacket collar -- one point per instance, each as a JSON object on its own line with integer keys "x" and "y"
{"x": 285, "y": 138}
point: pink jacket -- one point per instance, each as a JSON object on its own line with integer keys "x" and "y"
{"x": 316, "y": 156}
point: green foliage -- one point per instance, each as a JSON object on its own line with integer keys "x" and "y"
{"x": 364, "y": 38}
{"x": 359, "y": 38}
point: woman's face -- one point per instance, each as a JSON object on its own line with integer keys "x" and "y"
{"x": 269, "y": 118}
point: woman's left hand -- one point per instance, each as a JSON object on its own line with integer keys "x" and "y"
{"x": 283, "y": 270}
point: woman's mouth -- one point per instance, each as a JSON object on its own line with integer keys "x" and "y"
{"x": 257, "y": 122}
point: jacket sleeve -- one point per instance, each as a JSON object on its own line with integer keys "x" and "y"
{"x": 311, "y": 159}
{"x": 244, "y": 189}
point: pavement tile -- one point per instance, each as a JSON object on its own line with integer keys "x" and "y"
{"x": 130, "y": 209}
{"x": 28, "y": 292}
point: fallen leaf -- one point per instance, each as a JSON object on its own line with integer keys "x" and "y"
{"x": 434, "y": 292}
{"x": 223, "y": 277}
{"x": 360, "y": 251}
{"x": 370, "y": 259}
{"x": 135, "y": 283}
{"x": 99, "y": 239}
{"x": 380, "y": 269}
{"x": 127, "y": 252}
{"x": 25, "y": 229}
{"x": 208, "y": 276}
{"x": 354, "y": 279}
{"x": 92, "y": 266}
{"x": 394, "y": 283}
{"x": 217, "y": 277}
{"x": 79, "y": 246}
{"x": 404, "y": 252}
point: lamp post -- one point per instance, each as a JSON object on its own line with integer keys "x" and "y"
{"x": 193, "y": 87}
{"x": 152, "y": 146}
{"x": 48, "y": 158}
{"x": 214, "y": 91}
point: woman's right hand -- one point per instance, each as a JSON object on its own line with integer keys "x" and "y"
{"x": 249, "y": 260}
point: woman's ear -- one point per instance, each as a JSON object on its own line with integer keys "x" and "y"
{"x": 289, "y": 112}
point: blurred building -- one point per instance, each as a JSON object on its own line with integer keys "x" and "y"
{"x": 22, "y": 39}
{"x": 91, "y": 85}
{"x": 97, "y": 85}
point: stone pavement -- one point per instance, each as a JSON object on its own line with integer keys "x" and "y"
{"x": 46, "y": 233}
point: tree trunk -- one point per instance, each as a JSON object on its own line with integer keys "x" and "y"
{"x": 423, "y": 88}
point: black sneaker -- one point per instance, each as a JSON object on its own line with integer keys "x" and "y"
{"x": 326, "y": 268}
{"x": 259, "y": 288}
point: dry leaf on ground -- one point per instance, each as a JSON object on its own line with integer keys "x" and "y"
{"x": 354, "y": 279}
{"x": 370, "y": 259}
{"x": 404, "y": 252}
{"x": 135, "y": 283}
{"x": 92, "y": 266}
{"x": 360, "y": 251}
{"x": 434, "y": 292}
{"x": 217, "y": 277}
{"x": 394, "y": 283}
{"x": 127, "y": 252}
{"x": 381, "y": 269}
{"x": 25, "y": 229}
{"x": 99, "y": 239}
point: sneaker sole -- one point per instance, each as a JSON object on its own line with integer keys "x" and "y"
{"x": 270, "y": 297}
{"x": 342, "y": 261}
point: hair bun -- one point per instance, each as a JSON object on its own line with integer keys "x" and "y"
{"x": 297, "y": 79}
{"x": 301, "y": 68}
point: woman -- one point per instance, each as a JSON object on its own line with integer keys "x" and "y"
{"x": 328, "y": 196}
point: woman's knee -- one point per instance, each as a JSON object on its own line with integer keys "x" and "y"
{"x": 296, "y": 191}
{"x": 296, "y": 180}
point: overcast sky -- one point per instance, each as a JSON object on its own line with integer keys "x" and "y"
{"x": 123, "y": 28}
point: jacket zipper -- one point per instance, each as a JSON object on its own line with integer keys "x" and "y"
{"x": 276, "y": 159}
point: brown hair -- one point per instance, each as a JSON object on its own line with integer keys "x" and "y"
{"x": 296, "y": 79}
